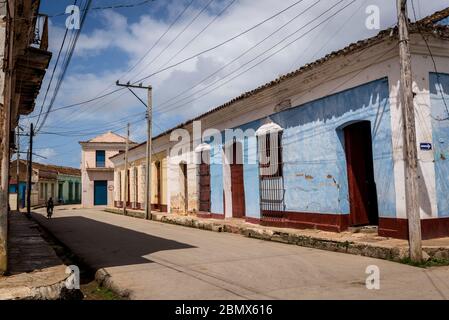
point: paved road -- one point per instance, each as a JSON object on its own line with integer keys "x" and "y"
{"x": 161, "y": 261}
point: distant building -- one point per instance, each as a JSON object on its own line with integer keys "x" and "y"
{"x": 97, "y": 170}
{"x": 63, "y": 184}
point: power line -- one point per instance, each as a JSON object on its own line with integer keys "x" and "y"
{"x": 199, "y": 33}
{"x": 176, "y": 37}
{"x": 173, "y": 105}
{"x": 159, "y": 39}
{"x": 140, "y": 59}
{"x": 434, "y": 64}
{"x": 219, "y": 44}
{"x": 66, "y": 64}
{"x": 238, "y": 57}
{"x": 129, "y": 70}
{"x": 53, "y": 72}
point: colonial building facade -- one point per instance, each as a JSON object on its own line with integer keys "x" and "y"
{"x": 97, "y": 172}
{"x": 24, "y": 60}
{"x": 334, "y": 129}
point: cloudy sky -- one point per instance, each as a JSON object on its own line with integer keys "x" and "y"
{"x": 125, "y": 44}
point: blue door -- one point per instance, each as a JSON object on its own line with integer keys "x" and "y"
{"x": 100, "y": 193}
{"x": 22, "y": 190}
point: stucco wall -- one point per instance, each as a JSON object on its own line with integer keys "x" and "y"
{"x": 439, "y": 95}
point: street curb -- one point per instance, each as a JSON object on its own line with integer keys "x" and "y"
{"x": 357, "y": 248}
{"x": 104, "y": 279}
{"x": 53, "y": 291}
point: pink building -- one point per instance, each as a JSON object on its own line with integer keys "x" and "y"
{"x": 97, "y": 172}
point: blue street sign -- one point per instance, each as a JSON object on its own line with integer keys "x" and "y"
{"x": 425, "y": 146}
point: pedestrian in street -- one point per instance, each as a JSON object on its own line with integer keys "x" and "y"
{"x": 50, "y": 206}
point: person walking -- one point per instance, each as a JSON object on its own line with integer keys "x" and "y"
{"x": 50, "y": 206}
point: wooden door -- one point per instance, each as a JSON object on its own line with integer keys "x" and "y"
{"x": 237, "y": 186}
{"x": 204, "y": 175}
{"x": 184, "y": 188}
{"x": 158, "y": 185}
{"x": 361, "y": 184}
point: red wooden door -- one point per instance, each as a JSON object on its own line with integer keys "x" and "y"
{"x": 237, "y": 187}
{"x": 359, "y": 160}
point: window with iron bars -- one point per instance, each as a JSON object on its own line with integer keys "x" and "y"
{"x": 271, "y": 174}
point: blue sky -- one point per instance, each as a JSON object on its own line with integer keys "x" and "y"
{"x": 113, "y": 40}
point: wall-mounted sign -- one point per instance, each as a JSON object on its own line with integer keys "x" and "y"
{"x": 425, "y": 146}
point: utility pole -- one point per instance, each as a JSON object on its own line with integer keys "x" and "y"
{"x": 126, "y": 171}
{"x": 30, "y": 169}
{"x": 148, "y": 151}
{"x": 410, "y": 149}
{"x": 17, "y": 170}
{"x": 149, "y": 117}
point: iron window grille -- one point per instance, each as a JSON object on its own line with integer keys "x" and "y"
{"x": 271, "y": 185}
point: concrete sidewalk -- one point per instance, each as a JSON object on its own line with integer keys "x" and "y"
{"x": 360, "y": 243}
{"x": 34, "y": 269}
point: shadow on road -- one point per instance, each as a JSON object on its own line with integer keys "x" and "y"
{"x": 105, "y": 245}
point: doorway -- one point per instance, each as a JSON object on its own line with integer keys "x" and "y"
{"x": 183, "y": 187}
{"x": 204, "y": 177}
{"x": 158, "y": 186}
{"x": 361, "y": 183}
{"x": 100, "y": 193}
{"x": 237, "y": 187}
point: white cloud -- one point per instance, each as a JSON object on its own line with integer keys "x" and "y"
{"x": 45, "y": 155}
{"x": 115, "y": 33}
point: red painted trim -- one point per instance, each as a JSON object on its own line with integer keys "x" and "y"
{"x": 209, "y": 215}
{"x": 252, "y": 220}
{"x": 306, "y": 220}
{"x": 398, "y": 228}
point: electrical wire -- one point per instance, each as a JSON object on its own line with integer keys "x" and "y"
{"x": 203, "y": 80}
{"x": 175, "y": 105}
{"x": 176, "y": 37}
{"x": 178, "y": 63}
{"x": 199, "y": 33}
{"x": 67, "y": 62}
{"x": 220, "y": 44}
{"x": 434, "y": 65}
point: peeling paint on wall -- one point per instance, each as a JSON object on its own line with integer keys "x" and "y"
{"x": 439, "y": 85}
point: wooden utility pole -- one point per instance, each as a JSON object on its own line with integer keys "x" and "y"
{"x": 126, "y": 171}
{"x": 17, "y": 170}
{"x": 148, "y": 151}
{"x": 149, "y": 117}
{"x": 30, "y": 169}
{"x": 410, "y": 149}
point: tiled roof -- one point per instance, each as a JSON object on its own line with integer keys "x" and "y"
{"x": 58, "y": 169}
{"x": 424, "y": 25}
{"x": 108, "y": 137}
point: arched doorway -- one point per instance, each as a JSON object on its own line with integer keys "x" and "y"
{"x": 360, "y": 171}
{"x": 237, "y": 182}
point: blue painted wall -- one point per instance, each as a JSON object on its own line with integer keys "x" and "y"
{"x": 439, "y": 88}
{"x": 315, "y": 176}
